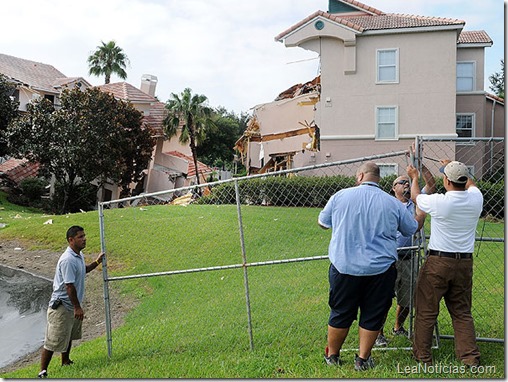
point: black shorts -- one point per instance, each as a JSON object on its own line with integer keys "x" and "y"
{"x": 371, "y": 294}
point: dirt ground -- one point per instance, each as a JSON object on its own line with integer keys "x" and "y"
{"x": 43, "y": 262}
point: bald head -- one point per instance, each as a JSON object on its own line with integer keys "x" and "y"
{"x": 368, "y": 172}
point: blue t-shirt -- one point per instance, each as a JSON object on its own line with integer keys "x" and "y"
{"x": 70, "y": 269}
{"x": 364, "y": 221}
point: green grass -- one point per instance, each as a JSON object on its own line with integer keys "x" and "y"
{"x": 195, "y": 325}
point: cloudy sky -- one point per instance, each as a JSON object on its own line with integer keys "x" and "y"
{"x": 224, "y": 49}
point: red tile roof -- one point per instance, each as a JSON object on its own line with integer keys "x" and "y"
{"x": 127, "y": 92}
{"x": 158, "y": 112}
{"x": 474, "y": 37}
{"x": 15, "y": 170}
{"x": 363, "y": 7}
{"x": 191, "y": 171}
{"x": 35, "y": 74}
{"x": 375, "y": 20}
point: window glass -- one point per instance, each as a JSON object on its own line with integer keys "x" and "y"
{"x": 386, "y": 123}
{"x": 387, "y": 65}
{"x": 465, "y": 76}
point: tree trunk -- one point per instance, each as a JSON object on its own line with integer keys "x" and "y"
{"x": 195, "y": 159}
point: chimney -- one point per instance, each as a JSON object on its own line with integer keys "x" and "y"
{"x": 148, "y": 84}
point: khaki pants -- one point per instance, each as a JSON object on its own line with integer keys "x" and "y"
{"x": 452, "y": 279}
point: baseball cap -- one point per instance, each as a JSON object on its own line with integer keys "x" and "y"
{"x": 456, "y": 171}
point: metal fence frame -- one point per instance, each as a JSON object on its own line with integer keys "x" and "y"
{"x": 245, "y": 264}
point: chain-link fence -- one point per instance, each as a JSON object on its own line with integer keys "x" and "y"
{"x": 245, "y": 261}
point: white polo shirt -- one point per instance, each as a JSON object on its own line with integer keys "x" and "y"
{"x": 454, "y": 217}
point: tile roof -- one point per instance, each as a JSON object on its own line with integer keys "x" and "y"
{"x": 35, "y": 74}
{"x": 15, "y": 170}
{"x": 376, "y": 22}
{"x": 363, "y": 7}
{"x": 191, "y": 171}
{"x": 127, "y": 92}
{"x": 156, "y": 117}
{"x": 474, "y": 37}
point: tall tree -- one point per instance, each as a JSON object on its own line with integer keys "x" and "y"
{"x": 8, "y": 110}
{"x": 189, "y": 114}
{"x": 90, "y": 137}
{"x": 218, "y": 147}
{"x": 108, "y": 59}
{"x": 497, "y": 82}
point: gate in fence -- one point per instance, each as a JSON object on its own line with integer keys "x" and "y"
{"x": 266, "y": 226}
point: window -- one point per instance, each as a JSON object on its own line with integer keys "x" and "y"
{"x": 386, "y": 123}
{"x": 387, "y": 66}
{"x": 387, "y": 169}
{"x": 465, "y": 126}
{"x": 465, "y": 76}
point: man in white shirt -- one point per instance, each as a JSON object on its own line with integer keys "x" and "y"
{"x": 448, "y": 269}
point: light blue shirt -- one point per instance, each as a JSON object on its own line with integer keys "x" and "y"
{"x": 402, "y": 240}
{"x": 70, "y": 269}
{"x": 364, "y": 221}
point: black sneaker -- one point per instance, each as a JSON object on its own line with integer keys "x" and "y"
{"x": 363, "y": 364}
{"x": 400, "y": 332}
{"x": 332, "y": 359}
{"x": 381, "y": 341}
{"x": 43, "y": 374}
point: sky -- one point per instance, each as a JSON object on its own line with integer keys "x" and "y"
{"x": 223, "y": 49}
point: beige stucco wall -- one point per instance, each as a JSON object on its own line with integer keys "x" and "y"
{"x": 475, "y": 55}
{"x": 278, "y": 117}
{"x": 425, "y": 107}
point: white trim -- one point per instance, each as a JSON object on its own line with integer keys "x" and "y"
{"x": 475, "y": 45}
{"x": 475, "y": 92}
{"x": 319, "y": 33}
{"x": 372, "y": 137}
{"x": 413, "y": 30}
{"x": 346, "y": 137}
{"x": 440, "y": 136}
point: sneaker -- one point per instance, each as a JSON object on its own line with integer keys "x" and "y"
{"x": 381, "y": 341}
{"x": 332, "y": 359}
{"x": 400, "y": 332}
{"x": 43, "y": 374}
{"x": 363, "y": 364}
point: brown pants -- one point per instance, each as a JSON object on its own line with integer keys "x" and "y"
{"x": 452, "y": 279}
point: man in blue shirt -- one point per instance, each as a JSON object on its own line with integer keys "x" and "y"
{"x": 363, "y": 250}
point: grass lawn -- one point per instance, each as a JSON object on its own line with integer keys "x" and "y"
{"x": 195, "y": 325}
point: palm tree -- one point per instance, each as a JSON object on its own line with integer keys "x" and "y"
{"x": 191, "y": 114}
{"x": 106, "y": 60}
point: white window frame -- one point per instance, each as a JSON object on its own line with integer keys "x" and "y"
{"x": 473, "y": 77}
{"x": 395, "y": 123}
{"x": 473, "y": 127}
{"x": 395, "y": 64}
{"x": 387, "y": 169}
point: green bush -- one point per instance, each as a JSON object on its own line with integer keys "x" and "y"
{"x": 307, "y": 191}
{"x": 82, "y": 197}
{"x": 29, "y": 193}
{"x": 33, "y": 188}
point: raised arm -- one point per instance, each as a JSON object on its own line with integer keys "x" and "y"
{"x": 412, "y": 173}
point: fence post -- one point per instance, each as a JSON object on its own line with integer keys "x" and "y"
{"x": 244, "y": 262}
{"x": 105, "y": 281}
